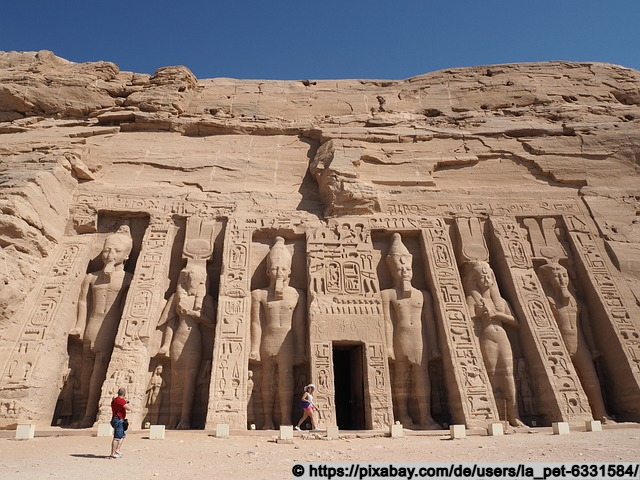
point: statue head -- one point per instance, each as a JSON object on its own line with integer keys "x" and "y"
{"x": 399, "y": 262}
{"x": 192, "y": 276}
{"x": 279, "y": 266}
{"x": 482, "y": 275}
{"x": 555, "y": 277}
{"x": 117, "y": 248}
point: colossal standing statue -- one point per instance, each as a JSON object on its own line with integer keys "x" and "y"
{"x": 411, "y": 338}
{"x": 490, "y": 312}
{"x": 277, "y": 334}
{"x": 574, "y": 326}
{"x": 188, "y": 308}
{"x": 99, "y": 310}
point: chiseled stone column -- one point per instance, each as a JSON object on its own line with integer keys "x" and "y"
{"x": 612, "y": 317}
{"x": 145, "y": 300}
{"x": 471, "y": 400}
{"x": 560, "y": 393}
{"x": 31, "y": 376}
{"x": 228, "y": 389}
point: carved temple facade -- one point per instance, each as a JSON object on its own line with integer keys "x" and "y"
{"x": 455, "y": 248}
{"x": 338, "y": 264}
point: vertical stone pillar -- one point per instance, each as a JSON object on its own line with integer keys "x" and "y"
{"x": 559, "y": 390}
{"x": 145, "y": 300}
{"x": 228, "y": 389}
{"x": 471, "y": 400}
{"x": 616, "y": 331}
{"x": 30, "y": 381}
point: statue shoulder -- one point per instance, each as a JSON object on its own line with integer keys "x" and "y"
{"x": 258, "y": 294}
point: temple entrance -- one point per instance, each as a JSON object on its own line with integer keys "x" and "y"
{"x": 349, "y": 385}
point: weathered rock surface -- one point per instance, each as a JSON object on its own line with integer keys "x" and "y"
{"x": 554, "y": 131}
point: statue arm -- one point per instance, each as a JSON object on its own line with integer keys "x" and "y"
{"x": 256, "y": 327}
{"x": 170, "y": 318}
{"x": 430, "y": 327}
{"x": 207, "y": 315}
{"x": 299, "y": 327}
{"x": 388, "y": 323}
{"x": 83, "y": 301}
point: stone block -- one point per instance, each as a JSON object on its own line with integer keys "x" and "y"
{"x": 560, "y": 428}
{"x": 457, "y": 431}
{"x": 105, "y": 430}
{"x": 156, "y": 432}
{"x": 222, "y": 430}
{"x": 286, "y": 432}
{"x": 25, "y": 431}
{"x": 396, "y": 431}
{"x": 495, "y": 429}
{"x": 332, "y": 432}
{"x": 593, "y": 425}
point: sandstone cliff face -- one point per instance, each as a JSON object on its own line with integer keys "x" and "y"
{"x": 499, "y": 130}
{"x": 454, "y": 140}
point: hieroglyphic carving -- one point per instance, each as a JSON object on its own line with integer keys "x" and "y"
{"x": 606, "y": 301}
{"x": 45, "y": 329}
{"x": 473, "y": 402}
{"x": 322, "y": 370}
{"x": 149, "y": 283}
{"x": 87, "y": 205}
{"x": 378, "y": 385}
{"x": 129, "y": 362}
{"x": 562, "y": 397}
{"x": 227, "y": 392}
{"x": 454, "y": 209}
{"x": 345, "y": 305}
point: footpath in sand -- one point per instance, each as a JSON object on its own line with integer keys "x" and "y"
{"x": 256, "y": 455}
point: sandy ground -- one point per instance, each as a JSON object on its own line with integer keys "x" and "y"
{"x": 256, "y": 455}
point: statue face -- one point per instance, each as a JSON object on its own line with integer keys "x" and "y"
{"x": 115, "y": 251}
{"x": 195, "y": 278}
{"x": 560, "y": 277}
{"x": 279, "y": 269}
{"x": 484, "y": 277}
{"x": 403, "y": 270}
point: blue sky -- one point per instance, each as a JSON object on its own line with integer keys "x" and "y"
{"x": 329, "y": 39}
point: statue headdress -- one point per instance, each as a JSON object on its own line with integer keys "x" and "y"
{"x": 278, "y": 253}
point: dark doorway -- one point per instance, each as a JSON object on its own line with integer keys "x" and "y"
{"x": 348, "y": 374}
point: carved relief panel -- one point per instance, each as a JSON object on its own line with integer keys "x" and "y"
{"x": 26, "y": 383}
{"x": 227, "y": 393}
{"x": 613, "y": 322}
{"x": 345, "y": 312}
{"x": 470, "y": 395}
{"x": 561, "y": 397}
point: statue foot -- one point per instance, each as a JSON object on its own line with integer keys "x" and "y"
{"x": 406, "y": 421}
{"x": 606, "y": 419}
{"x": 516, "y": 422}
{"x": 430, "y": 424}
{"x": 268, "y": 426}
{"x": 183, "y": 425}
{"x": 86, "y": 422}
